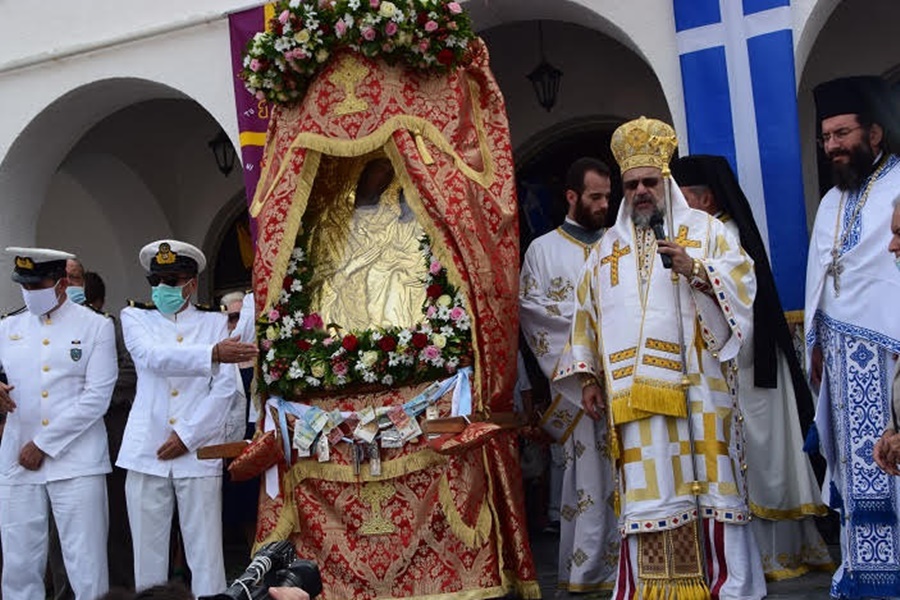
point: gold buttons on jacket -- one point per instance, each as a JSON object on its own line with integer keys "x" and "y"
{"x": 172, "y": 420}
{"x": 46, "y": 368}
{"x": 174, "y": 392}
{"x": 44, "y": 394}
{"x": 45, "y": 422}
{"x": 179, "y": 339}
{"x": 46, "y": 342}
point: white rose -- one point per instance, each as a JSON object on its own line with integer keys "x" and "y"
{"x": 387, "y": 10}
{"x": 302, "y": 36}
{"x": 439, "y": 340}
{"x": 444, "y": 300}
{"x": 369, "y": 358}
{"x": 322, "y": 55}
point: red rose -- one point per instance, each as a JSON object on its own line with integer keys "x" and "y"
{"x": 387, "y": 343}
{"x": 434, "y": 291}
{"x": 445, "y": 56}
{"x": 350, "y": 343}
{"x": 422, "y": 18}
{"x": 303, "y": 345}
{"x": 419, "y": 340}
{"x": 288, "y": 282}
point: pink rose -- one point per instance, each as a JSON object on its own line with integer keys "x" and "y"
{"x": 368, "y": 34}
{"x": 454, "y": 8}
{"x": 266, "y": 344}
{"x": 284, "y": 17}
{"x": 423, "y": 45}
{"x": 390, "y": 28}
{"x": 328, "y": 341}
{"x": 260, "y": 95}
{"x": 432, "y": 310}
{"x": 340, "y": 28}
{"x": 435, "y": 267}
{"x": 274, "y": 315}
{"x": 431, "y": 352}
{"x": 254, "y": 65}
{"x": 313, "y": 321}
{"x": 457, "y": 313}
{"x": 430, "y": 26}
{"x": 339, "y": 367}
{"x": 374, "y": 3}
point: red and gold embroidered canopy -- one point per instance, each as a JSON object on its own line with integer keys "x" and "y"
{"x": 448, "y": 139}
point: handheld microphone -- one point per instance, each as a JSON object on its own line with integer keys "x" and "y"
{"x": 656, "y": 223}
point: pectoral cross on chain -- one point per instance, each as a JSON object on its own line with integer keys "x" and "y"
{"x": 613, "y": 261}
{"x": 835, "y": 269}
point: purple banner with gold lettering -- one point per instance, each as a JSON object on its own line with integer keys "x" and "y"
{"x": 252, "y": 114}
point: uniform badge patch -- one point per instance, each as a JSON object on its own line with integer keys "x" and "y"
{"x": 75, "y": 353}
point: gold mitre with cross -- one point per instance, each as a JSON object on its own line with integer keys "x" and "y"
{"x": 644, "y": 142}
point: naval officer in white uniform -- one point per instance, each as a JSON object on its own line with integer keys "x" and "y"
{"x": 60, "y": 359}
{"x": 181, "y": 404}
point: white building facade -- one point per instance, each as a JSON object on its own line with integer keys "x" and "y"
{"x": 108, "y": 108}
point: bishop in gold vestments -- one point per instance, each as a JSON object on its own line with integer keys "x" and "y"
{"x": 677, "y": 426}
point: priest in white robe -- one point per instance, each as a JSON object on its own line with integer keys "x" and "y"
{"x": 654, "y": 349}
{"x": 852, "y": 332}
{"x": 589, "y": 540}
{"x": 784, "y": 493}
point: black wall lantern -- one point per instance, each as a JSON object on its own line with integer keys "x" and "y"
{"x": 223, "y": 151}
{"x": 545, "y": 77}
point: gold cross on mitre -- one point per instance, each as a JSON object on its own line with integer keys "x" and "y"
{"x": 682, "y": 238}
{"x": 613, "y": 261}
{"x": 348, "y": 74}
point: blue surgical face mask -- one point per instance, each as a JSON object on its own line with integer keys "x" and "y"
{"x": 75, "y": 294}
{"x": 168, "y": 299}
{"x": 897, "y": 263}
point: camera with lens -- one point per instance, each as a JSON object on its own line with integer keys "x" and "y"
{"x": 274, "y": 565}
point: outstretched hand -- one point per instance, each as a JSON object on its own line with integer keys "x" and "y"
{"x": 233, "y": 350}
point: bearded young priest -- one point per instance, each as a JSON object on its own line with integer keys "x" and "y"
{"x": 852, "y": 333}
{"x": 677, "y": 427}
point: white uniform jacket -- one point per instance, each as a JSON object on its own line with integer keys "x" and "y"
{"x": 64, "y": 370}
{"x": 179, "y": 389}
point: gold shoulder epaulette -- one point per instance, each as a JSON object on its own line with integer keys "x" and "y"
{"x": 208, "y": 308}
{"x": 100, "y": 312}
{"x": 15, "y": 312}
{"x": 141, "y": 305}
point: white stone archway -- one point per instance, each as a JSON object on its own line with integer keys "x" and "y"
{"x": 645, "y": 36}
{"x": 106, "y": 168}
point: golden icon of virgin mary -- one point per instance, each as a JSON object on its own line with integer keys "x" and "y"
{"x": 365, "y": 248}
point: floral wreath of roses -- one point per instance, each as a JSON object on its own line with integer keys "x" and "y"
{"x": 427, "y": 35}
{"x": 300, "y": 353}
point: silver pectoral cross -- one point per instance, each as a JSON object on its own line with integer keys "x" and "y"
{"x": 835, "y": 269}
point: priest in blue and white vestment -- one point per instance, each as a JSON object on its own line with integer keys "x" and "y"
{"x": 852, "y": 333}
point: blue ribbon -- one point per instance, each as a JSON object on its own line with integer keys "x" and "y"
{"x": 285, "y": 407}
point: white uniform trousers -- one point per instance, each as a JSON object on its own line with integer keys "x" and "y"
{"x": 79, "y": 506}
{"x": 151, "y": 504}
